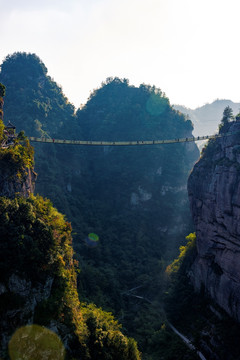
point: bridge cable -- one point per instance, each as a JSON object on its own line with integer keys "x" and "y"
{"x": 127, "y": 143}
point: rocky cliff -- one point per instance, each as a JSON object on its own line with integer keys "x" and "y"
{"x": 11, "y": 183}
{"x": 17, "y": 176}
{"x": 214, "y": 193}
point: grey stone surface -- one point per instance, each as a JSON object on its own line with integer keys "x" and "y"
{"x": 31, "y": 295}
{"x": 11, "y": 184}
{"x": 214, "y": 194}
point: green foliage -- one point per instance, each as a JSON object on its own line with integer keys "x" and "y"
{"x": 179, "y": 300}
{"x": 105, "y": 339}
{"x": 237, "y": 117}
{"x": 35, "y": 244}
{"x": 226, "y": 119}
{"x": 2, "y": 90}
{"x": 182, "y": 305}
{"x": 1, "y": 131}
{"x": 31, "y": 231}
{"x": 19, "y": 156}
{"x": 34, "y": 101}
{"x": 118, "y": 112}
{"x": 166, "y": 345}
{"x": 186, "y": 257}
{"x": 227, "y": 115}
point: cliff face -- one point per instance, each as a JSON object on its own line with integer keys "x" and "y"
{"x": 214, "y": 193}
{"x": 11, "y": 183}
{"x": 17, "y": 176}
{"x": 19, "y": 299}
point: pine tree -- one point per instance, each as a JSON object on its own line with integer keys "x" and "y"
{"x": 227, "y": 115}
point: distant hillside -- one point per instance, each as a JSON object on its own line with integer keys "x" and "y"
{"x": 207, "y": 118}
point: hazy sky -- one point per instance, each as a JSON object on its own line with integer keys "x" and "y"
{"x": 188, "y": 48}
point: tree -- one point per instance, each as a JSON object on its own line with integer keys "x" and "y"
{"x": 1, "y": 131}
{"x": 2, "y": 93}
{"x": 237, "y": 117}
{"x": 2, "y": 90}
{"x": 227, "y": 115}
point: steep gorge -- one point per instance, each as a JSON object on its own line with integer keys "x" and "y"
{"x": 135, "y": 199}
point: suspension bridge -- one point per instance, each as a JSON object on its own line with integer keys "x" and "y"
{"x": 127, "y": 143}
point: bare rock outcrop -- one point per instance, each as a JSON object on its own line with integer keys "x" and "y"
{"x": 22, "y": 309}
{"x": 214, "y": 193}
{"x": 13, "y": 183}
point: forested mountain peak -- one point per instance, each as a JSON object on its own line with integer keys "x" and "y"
{"x": 43, "y": 109}
{"x": 25, "y": 64}
{"x": 130, "y": 113}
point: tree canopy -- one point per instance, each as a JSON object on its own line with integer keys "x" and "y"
{"x": 2, "y": 90}
{"x": 227, "y": 115}
{"x": 35, "y": 242}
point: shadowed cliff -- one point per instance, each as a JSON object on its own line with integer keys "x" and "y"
{"x": 214, "y": 193}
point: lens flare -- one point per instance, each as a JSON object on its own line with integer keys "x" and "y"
{"x": 156, "y": 105}
{"x": 93, "y": 237}
{"x": 34, "y": 342}
{"x": 91, "y": 240}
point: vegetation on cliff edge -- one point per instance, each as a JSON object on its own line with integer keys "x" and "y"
{"x": 35, "y": 243}
{"x": 20, "y": 154}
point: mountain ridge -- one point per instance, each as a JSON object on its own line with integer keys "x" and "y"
{"x": 206, "y": 118}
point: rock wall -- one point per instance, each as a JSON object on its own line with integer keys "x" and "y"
{"x": 22, "y": 312}
{"x": 214, "y": 193}
{"x": 12, "y": 183}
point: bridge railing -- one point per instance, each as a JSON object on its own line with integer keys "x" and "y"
{"x": 126, "y": 143}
